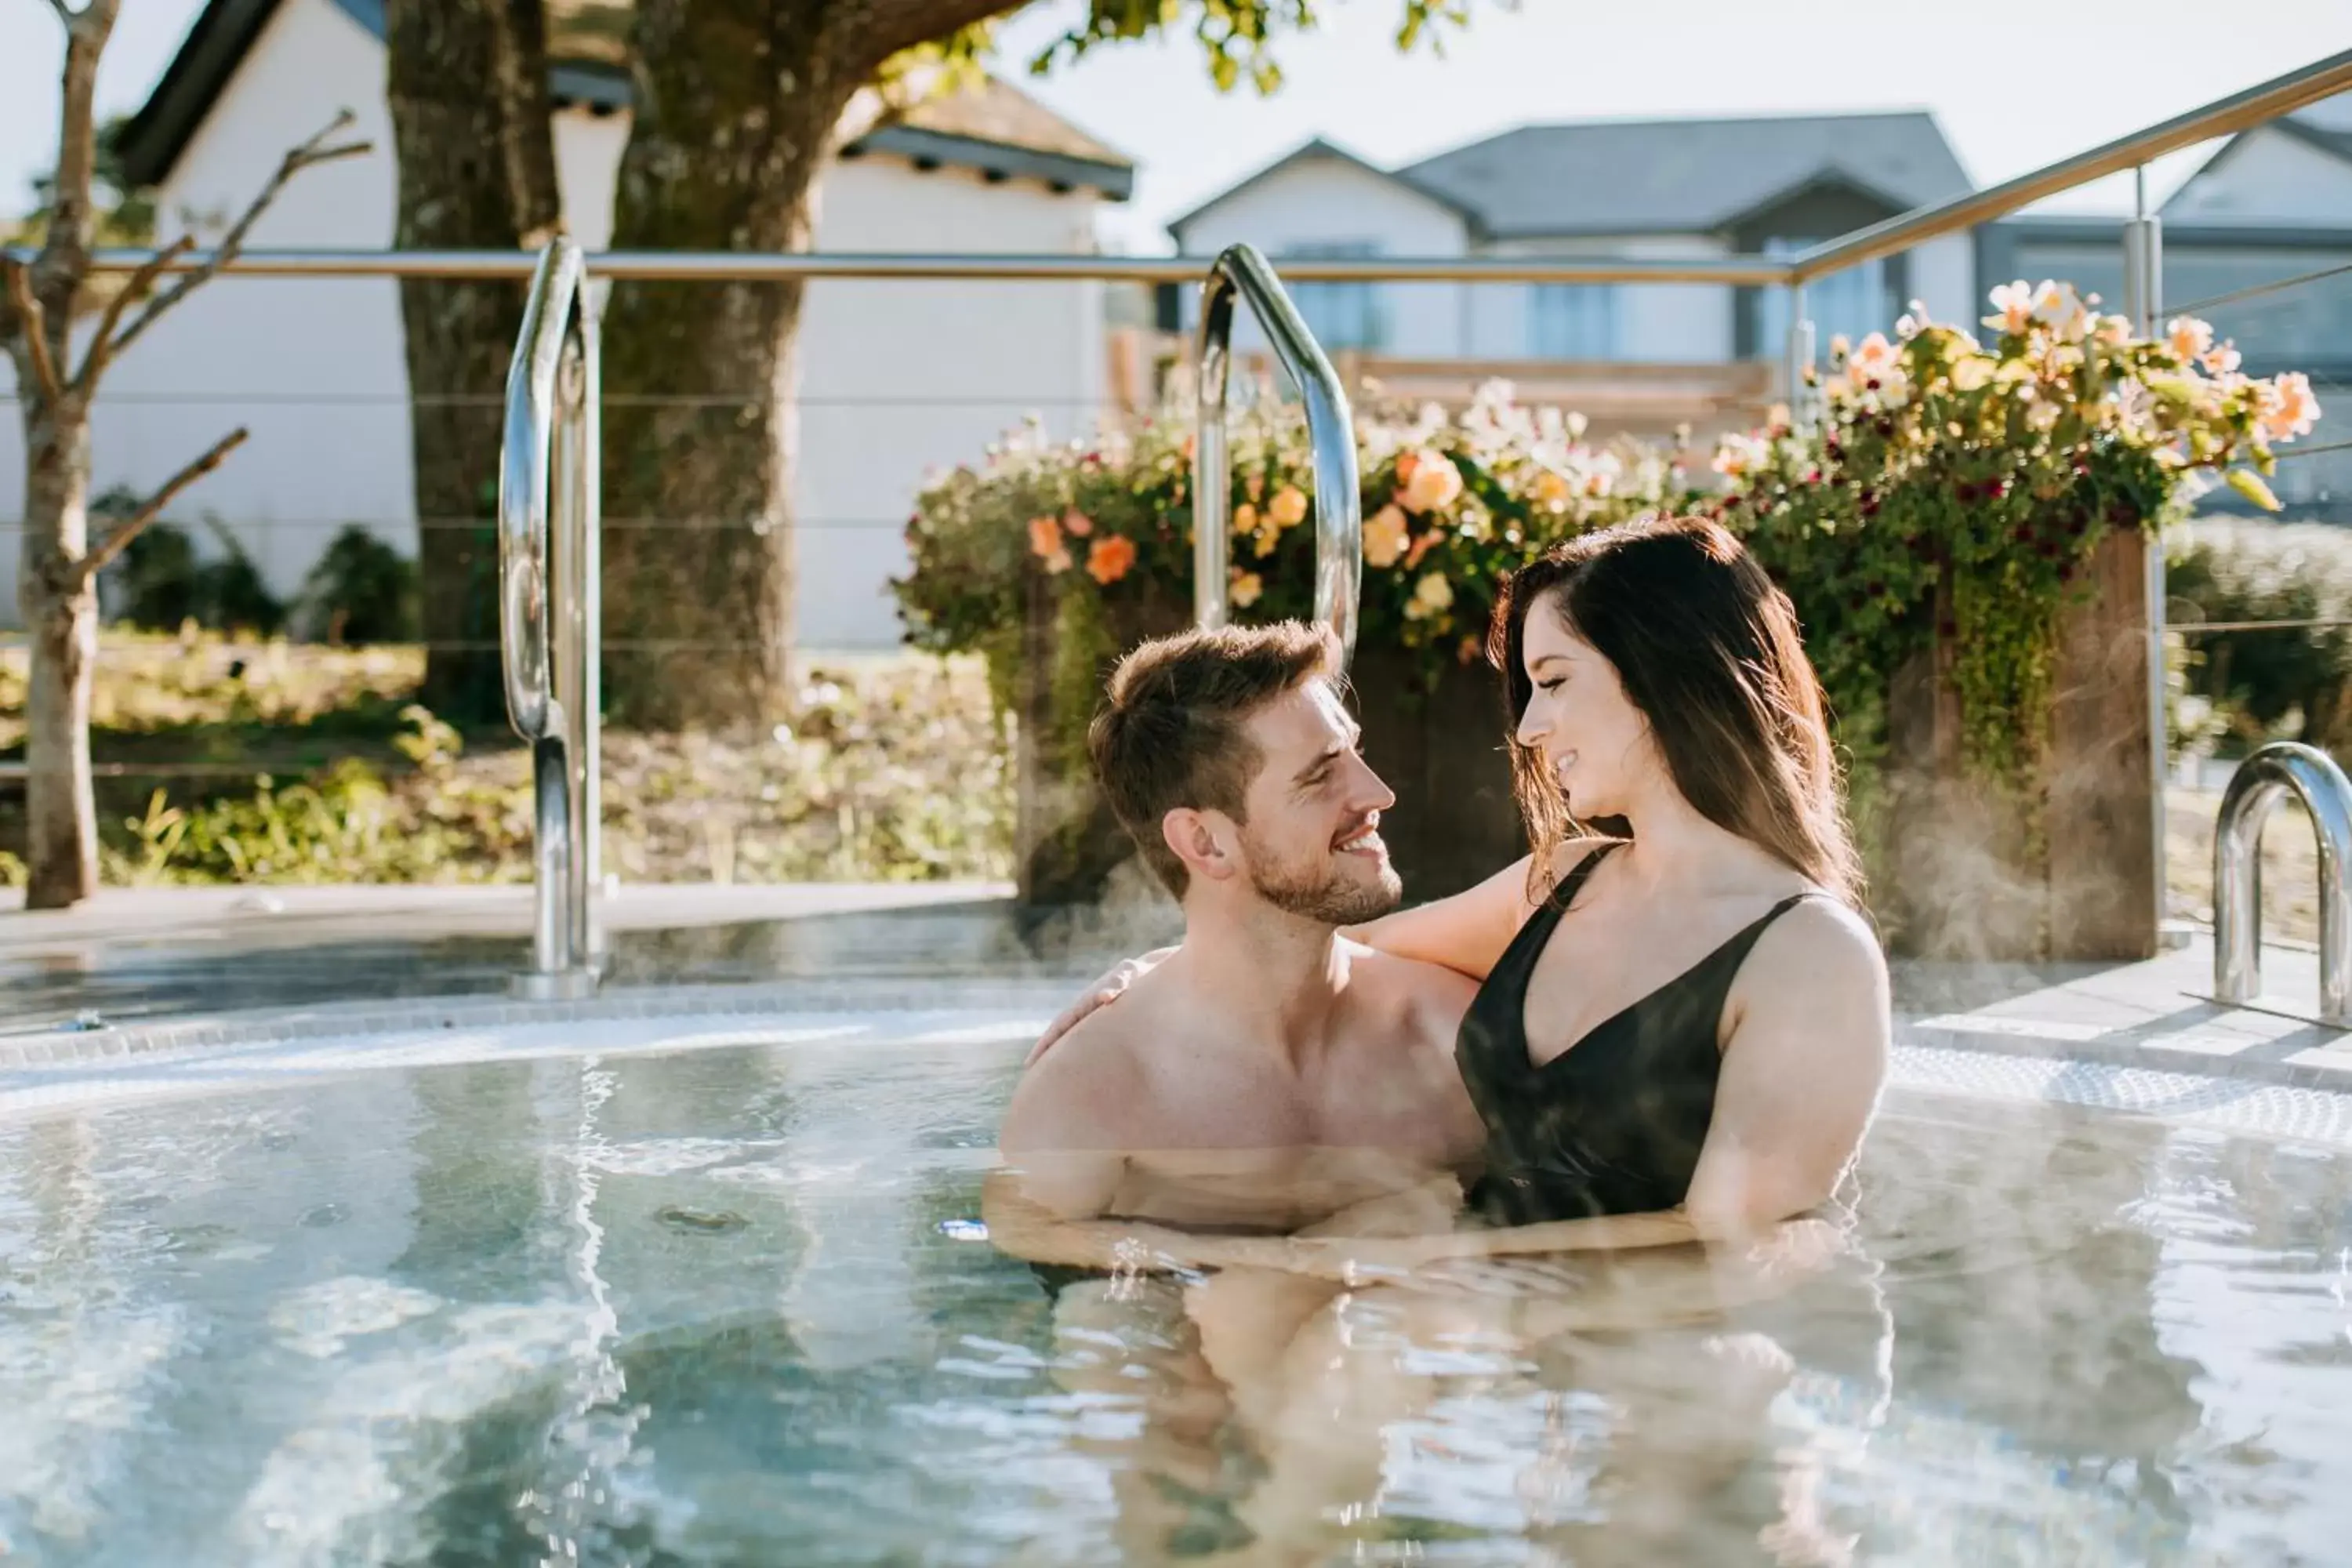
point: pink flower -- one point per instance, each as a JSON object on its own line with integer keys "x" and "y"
{"x": 2189, "y": 337}
{"x": 1077, "y": 524}
{"x": 1873, "y": 358}
{"x": 2288, "y": 409}
{"x": 1045, "y": 543}
{"x": 2012, "y": 306}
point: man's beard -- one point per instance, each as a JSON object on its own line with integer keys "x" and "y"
{"x": 1324, "y": 894}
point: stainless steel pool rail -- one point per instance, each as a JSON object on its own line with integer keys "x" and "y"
{"x": 2256, "y": 790}
{"x": 550, "y": 610}
{"x": 1241, "y": 273}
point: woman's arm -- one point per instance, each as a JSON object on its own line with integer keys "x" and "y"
{"x": 1466, "y": 933}
{"x": 1802, "y": 1073}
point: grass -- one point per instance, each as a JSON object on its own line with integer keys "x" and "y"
{"x": 276, "y": 763}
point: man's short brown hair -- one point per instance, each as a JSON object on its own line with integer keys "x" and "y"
{"x": 1171, "y": 734}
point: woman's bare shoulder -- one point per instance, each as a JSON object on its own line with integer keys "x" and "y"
{"x": 1822, "y": 942}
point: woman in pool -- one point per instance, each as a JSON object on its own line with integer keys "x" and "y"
{"x": 1682, "y": 1022}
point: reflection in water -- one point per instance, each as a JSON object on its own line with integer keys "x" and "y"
{"x": 454, "y": 1316}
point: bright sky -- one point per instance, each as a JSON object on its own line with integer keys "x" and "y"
{"x": 2012, "y": 90}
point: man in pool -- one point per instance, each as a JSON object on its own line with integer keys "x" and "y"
{"x": 1270, "y": 1073}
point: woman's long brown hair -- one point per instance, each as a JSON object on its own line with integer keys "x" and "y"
{"x": 1707, "y": 648}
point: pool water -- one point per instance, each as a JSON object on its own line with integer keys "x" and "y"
{"x": 730, "y": 1306}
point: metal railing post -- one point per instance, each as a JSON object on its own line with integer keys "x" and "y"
{"x": 2143, "y": 304}
{"x": 1330, "y": 432}
{"x": 2262, "y": 781}
{"x": 1800, "y": 360}
{"x": 547, "y": 614}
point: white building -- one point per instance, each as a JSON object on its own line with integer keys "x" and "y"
{"x": 1684, "y": 189}
{"x": 895, "y": 378}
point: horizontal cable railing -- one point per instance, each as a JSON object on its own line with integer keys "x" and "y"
{"x": 2259, "y": 290}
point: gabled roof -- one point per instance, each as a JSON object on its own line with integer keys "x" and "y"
{"x": 2336, "y": 140}
{"x": 1684, "y": 176}
{"x": 1319, "y": 148}
{"x": 995, "y": 128}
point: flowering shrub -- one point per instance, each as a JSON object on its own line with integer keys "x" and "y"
{"x": 1450, "y": 504}
{"x": 1956, "y": 487}
{"x": 1952, "y": 489}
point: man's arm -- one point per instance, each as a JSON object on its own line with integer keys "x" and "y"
{"x": 1025, "y": 1210}
{"x": 1064, "y": 1143}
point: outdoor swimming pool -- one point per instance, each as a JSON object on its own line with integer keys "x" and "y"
{"x": 710, "y": 1291}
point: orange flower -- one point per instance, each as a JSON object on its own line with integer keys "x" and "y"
{"x": 1077, "y": 524}
{"x": 1045, "y": 543}
{"x": 1405, "y": 466}
{"x": 1384, "y": 536}
{"x": 1288, "y": 507}
{"x": 1245, "y": 589}
{"x": 1434, "y": 484}
{"x": 1421, "y": 547}
{"x": 1108, "y": 562}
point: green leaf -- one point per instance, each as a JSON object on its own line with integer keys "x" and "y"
{"x": 2247, "y": 483}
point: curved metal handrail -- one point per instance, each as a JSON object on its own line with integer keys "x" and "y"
{"x": 1330, "y": 432}
{"x": 2260, "y": 782}
{"x": 548, "y": 605}
{"x": 526, "y": 458}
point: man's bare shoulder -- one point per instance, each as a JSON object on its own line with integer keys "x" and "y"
{"x": 1085, "y": 1092}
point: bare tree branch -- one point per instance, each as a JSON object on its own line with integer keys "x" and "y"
{"x": 313, "y": 151}
{"x": 33, "y": 324}
{"x": 101, "y": 341}
{"x": 118, "y": 538}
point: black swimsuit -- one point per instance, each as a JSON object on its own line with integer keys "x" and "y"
{"x": 1614, "y": 1124}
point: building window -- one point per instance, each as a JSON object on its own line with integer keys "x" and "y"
{"x": 1572, "y": 322}
{"x": 1341, "y": 315}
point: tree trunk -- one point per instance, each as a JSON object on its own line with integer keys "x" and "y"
{"x": 736, "y": 105}
{"x": 60, "y": 613}
{"x": 467, "y": 81}
{"x": 58, "y": 604}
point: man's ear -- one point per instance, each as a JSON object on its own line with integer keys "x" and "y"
{"x": 1201, "y": 839}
